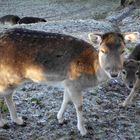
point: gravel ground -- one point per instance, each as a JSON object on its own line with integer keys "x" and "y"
{"x": 105, "y": 118}
{"x": 39, "y": 103}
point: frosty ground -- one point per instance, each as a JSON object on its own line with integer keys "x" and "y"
{"x": 39, "y": 103}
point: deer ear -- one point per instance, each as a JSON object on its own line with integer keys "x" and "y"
{"x": 138, "y": 62}
{"x": 125, "y": 62}
{"x": 95, "y": 38}
{"x": 130, "y": 60}
{"x": 131, "y": 36}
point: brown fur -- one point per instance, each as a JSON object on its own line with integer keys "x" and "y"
{"x": 82, "y": 64}
{"x": 22, "y": 51}
{"x": 112, "y": 39}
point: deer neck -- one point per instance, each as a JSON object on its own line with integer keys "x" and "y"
{"x": 100, "y": 73}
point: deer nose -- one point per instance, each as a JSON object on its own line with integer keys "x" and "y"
{"x": 114, "y": 75}
{"x": 131, "y": 85}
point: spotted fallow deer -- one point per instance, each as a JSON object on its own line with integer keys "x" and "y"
{"x": 135, "y": 90}
{"x": 130, "y": 67}
{"x": 41, "y": 56}
{"x": 130, "y": 73}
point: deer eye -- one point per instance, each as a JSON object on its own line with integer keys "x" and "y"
{"x": 137, "y": 73}
{"x": 124, "y": 72}
{"x": 103, "y": 51}
{"x": 108, "y": 68}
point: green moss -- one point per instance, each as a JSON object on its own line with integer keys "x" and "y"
{"x": 3, "y": 107}
{"x": 36, "y": 101}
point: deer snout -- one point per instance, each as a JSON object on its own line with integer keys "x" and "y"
{"x": 130, "y": 85}
{"x": 114, "y": 74}
{"x": 111, "y": 72}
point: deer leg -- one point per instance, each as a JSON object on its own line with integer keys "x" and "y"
{"x": 77, "y": 100}
{"x": 130, "y": 97}
{"x": 12, "y": 110}
{"x": 66, "y": 99}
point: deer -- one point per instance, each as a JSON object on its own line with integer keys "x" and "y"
{"x": 130, "y": 74}
{"x": 9, "y": 19}
{"x": 125, "y": 3}
{"x": 29, "y": 20}
{"x": 135, "y": 90}
{"x": 52, "y": 57}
